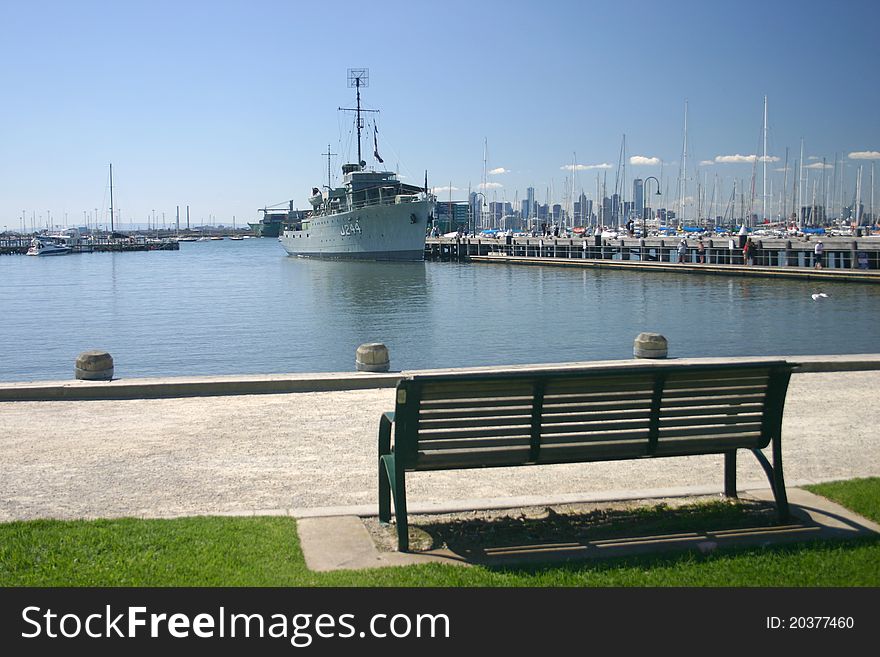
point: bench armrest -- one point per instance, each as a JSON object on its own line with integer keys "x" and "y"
{"x": 385, "y": 423}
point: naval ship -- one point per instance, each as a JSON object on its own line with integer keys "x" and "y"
{"x": 372, "y": 216}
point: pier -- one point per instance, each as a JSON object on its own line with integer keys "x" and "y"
{"x": 19, "y": 245}
{"x": 853, "y": 260}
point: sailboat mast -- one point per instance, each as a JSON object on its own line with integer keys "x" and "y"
{"x": 800, "y": 202}
{"x": 682, "y": 191}
{"x": 111, "y": 197}
{"x": 764, "y": 159}
{"x": 785, "y": 187}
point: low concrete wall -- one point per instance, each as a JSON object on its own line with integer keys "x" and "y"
{"x": 157, "y": 388}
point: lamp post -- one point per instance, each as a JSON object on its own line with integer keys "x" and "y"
{"x": 644, "y": 195}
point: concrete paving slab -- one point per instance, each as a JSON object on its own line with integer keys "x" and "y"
{"x": 343, "y": 542}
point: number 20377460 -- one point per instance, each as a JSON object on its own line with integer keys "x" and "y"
{"x": 810, "y": 623}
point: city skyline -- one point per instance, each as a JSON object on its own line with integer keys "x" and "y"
{"x": 227, "y": 107}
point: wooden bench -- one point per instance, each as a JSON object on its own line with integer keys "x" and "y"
{"x": 645, "y": 409}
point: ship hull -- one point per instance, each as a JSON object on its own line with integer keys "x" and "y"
{"x": 378, "y": 232}
{"x": 261, "y": 229}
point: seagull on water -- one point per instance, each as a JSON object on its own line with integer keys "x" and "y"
{"x": 819, "y": 295}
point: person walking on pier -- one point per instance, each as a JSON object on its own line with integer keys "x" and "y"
{"x": 701, "y": 251}
{"x": 819, "y": 253}
{"x": 682, "y": 251}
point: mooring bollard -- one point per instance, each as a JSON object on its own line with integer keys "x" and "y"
{"x": 650, "y": 345}
{"x": 372, "y": 357}
{"x": 94, "y": 366}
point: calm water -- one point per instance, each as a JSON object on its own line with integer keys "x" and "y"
{"x": 245, "y": 307}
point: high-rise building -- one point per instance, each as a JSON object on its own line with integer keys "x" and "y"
{"x": 530, "y": 200}
{"x": 638, "y": 196}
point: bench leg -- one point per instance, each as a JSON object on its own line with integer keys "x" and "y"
{"x": 393, "y": 481}
{"x": 385, "y": 474}
{"x": 774, "y": 476}
{"x": 384, "y": 492}
{"x": 730, "y": 474}
{"x": 399, "y": 492}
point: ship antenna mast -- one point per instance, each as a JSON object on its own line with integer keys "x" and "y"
{"x": 328, "y": 154}
{"x": 357, "y": 78}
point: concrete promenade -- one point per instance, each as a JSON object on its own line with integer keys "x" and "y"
{"x": 301, "y": 453}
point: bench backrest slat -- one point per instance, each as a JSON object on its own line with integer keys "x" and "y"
{"x": 522, "y": 417}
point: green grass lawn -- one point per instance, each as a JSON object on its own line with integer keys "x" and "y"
{"x": 264, "y": 551}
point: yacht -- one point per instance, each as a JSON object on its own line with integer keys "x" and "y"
{"x": 45, "y": 247}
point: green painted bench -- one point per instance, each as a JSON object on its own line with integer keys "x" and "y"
{"x": 646, "y": 409}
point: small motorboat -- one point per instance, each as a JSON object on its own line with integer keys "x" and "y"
{"x": 46, "y": 248}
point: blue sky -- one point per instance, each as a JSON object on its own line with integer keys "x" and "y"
{"x": 227, "y": 106}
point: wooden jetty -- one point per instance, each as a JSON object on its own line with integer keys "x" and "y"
{"x": 20, "y": 244}
{"x": 844, "y": 259}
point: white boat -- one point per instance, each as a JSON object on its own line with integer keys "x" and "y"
{"x": 373, "y": 216}
{"x": 45, "y": 247}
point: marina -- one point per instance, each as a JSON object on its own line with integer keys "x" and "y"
{"x": 19, "y": 245}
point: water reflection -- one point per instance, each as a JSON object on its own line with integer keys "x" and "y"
{"x": 230, "y": 307}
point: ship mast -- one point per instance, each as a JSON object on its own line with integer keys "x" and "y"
{"x": 357, "y": 78}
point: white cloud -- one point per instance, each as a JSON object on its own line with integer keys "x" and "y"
{"x": 865, "y": 155}
{"x": 641, "y": 160}
{"x": 744, "y": 159}
{"x": 780, "y": 169}
{"x": 706, "y": 163}
{"x": 819, "y": 165}
{"x": 491, "y": 185}
{"x": 584, "y": 167}
{"x": 498, "y": 171}
{"x": 447, "y": 188}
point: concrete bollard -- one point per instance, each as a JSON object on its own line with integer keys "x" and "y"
{"x": 94, "y": 366}
{"x": 372, "y": 357}
{"x": 650, "y": 345}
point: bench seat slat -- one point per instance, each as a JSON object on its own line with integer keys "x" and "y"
{"x": 709, "y": 444}
{"x": 734, "y": 410}
{"x": 587, "y": 427}
{"x": 473, "y": 432}
{"x": 713, "y": 392}
{"x": 718, "y": 400}
{"x": 705, "y": 420}
{"x": 470, "y": 401}
{"x": 705, "y": 430}
{"x": 577, "y": 398}
{"x": 431, "y": 393}
{"x": 489, "y": 420}
{"x": 473, "y": 443}
{"x": 585, "y": 405}
{"x": 581, "y": 438}
{"x": 475, "y": 412}
{"x": 606, "y": 451}
{"x": 674, "y": 378}
{"x": 451, "y": 458}
{"x": 559, "y": 416}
